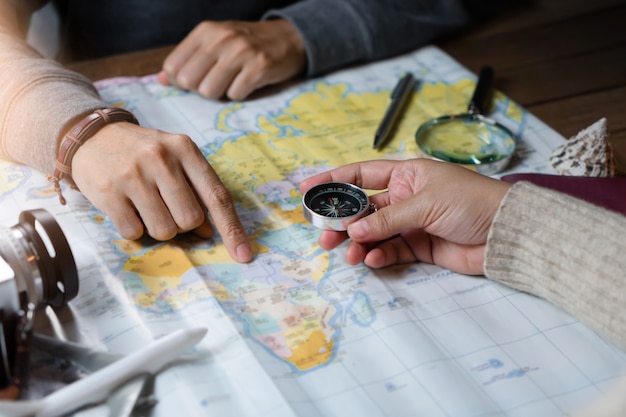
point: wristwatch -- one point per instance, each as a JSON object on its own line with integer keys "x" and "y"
{"x": 334, "y": 205}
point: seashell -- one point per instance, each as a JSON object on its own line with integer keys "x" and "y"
{"x": 588, "y": 154}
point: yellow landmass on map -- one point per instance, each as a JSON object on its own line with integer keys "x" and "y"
{"x": 167, "y": 261}
{"x": 331, "y": 126}
{"x": 309, "y": 347}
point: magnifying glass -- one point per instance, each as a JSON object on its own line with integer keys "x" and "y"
{"x": 469, "y": 139}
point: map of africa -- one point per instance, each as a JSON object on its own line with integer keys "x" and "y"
{"x": 299, "y": 332}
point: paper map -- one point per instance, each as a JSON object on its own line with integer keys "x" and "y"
{"x": 299, "y": 332}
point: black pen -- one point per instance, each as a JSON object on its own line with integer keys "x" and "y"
{"x": 401, "y": 92}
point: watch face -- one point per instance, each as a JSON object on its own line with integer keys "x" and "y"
{"x": 334, "y": 205}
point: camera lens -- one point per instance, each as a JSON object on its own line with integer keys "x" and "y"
{"x": 36, "y": 269}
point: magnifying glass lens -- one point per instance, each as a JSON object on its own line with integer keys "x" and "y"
{"x": 469, "y": 139}
{"x": 466, "y": 139}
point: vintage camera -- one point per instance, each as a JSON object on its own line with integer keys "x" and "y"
{"x": 37, "y": 269}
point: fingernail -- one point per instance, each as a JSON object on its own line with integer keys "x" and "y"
{"x": 358, "y": 230}
{"x": 244, "y": 253}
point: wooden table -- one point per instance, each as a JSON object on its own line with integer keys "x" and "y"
{"x": 564, "y": 60}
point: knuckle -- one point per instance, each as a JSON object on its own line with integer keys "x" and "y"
{"x": 207, "y": 90}
{"x": 263, "y": 60}
{"x": 131, "y": 233}
{"x": 231, "y": 231}
{"x": 234, "y": 31}
{"x": 130, "y": 230}
{"x": 162, "y": 231}
{"x": 221, "y": 197}
{"x": 170, "y": 66}
{"x": 170, "y": 70}
{"x": 152, "y": 150}
{"x": 181, "y": 140}
{"x": 104, "y": 185}
{"x": 191, "y": 218}
{"x": 227, "y": 34}
{"x": 236, "y": 94}
{"x": 205, "y": 25}
{"x": 183, "y": 80}
{"x": 167, "y": 142}
{"x": 382, "y": 221}
{"x": 240, "y": 46}
{"x": 183, "y": 144}
{"x": 125, "y": 174}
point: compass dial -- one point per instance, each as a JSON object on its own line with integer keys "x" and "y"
{"x": 334, "y": 205}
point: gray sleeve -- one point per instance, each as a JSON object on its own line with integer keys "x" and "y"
{"x": 565, "y": 250}
{"x": 341, "y": 32}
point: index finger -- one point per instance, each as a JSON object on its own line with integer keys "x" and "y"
{"x": 373, "y": 175}
{"x": 219, "y": 202}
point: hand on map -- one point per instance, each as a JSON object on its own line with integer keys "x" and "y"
{"x": 142, "y": 177}
{"x": 235, "y": 58}
{"x": 432, "y": 211}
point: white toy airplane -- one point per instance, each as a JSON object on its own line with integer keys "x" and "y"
{"x": 120, "y": 383}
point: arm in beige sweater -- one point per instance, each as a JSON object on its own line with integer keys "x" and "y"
{"x": 564, "y": 250}
{"x": 570, "y": 253}
{"x": 39, "y": 99}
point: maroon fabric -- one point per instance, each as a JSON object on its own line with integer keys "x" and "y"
{"x": 609, "y": 193}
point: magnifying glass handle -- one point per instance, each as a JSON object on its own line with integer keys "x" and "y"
{"x": 477, "y": 103}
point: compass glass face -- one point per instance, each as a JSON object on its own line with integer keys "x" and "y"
{"x": 336, "y": 200}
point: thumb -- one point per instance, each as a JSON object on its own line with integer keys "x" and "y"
{"x": 387, "y": 222}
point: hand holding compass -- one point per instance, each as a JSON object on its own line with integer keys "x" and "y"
{"x": 428, "y": 211}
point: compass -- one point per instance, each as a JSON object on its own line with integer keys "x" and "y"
{"x": 334, "y": 205}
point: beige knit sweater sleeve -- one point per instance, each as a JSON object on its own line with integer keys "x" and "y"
{"x": 565, "y": 250}
{"x": 39, "y": 100}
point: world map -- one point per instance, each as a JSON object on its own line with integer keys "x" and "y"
{"x": 298, "y": 331}
{"x": 262, "y": 161}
